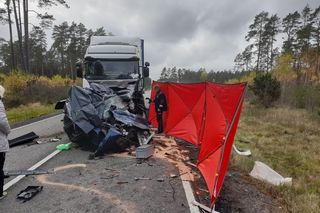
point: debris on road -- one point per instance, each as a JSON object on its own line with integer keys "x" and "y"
{"x": 145, "y": 151}
{"x": 26, "y": 172}
{"x": 39, "y": 142}
{"x": 55, "y": 139}
{"x": 122, "y": 182}
{"x": 161, "y": 179}
{"x": 92, "y": 156}
{"x": 29, "y": 193}
{"x": 243, "y": 153}
{"x": 141, "y": 178}
{"x": 110, "y": 176}
{"x": 192, "y": 164}
{"x": 64, "y": 146}
{"x": 46, "y": 140}
{"x": 263, "y": 172}
{"x": 23, "y": 139}
{"x": 173, "y": 175}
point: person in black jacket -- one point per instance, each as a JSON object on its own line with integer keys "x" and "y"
{"x": 160, "y": 103}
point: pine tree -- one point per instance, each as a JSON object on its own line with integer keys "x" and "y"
{"x": 60, "y": 34}
{"x": 316, "y": 37}
{"x": 272, "y": 28}
{"x": 290, "y": 26}
{"x": 164, "y": 74}
{"x": 256, "y": 32}
{"x": 173, "y": 75}
{"x": 38, "y": 45}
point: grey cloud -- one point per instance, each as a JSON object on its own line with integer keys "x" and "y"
{"x": 226, "y": 19}
{"x": 173, "y": 25}
{"x": 182, "y": 33}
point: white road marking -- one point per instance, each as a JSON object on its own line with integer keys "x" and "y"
{"x": 35, "y": 166}
{"x": 190, "y": 197}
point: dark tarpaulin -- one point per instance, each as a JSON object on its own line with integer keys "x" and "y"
{"x": 88, "y": 105}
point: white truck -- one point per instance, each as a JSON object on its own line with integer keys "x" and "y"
{"x": 114, "y": 61}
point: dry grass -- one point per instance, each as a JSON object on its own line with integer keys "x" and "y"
{"x": 288, "y": 141}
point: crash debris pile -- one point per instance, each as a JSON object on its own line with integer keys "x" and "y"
{"x": 104, "y": 119}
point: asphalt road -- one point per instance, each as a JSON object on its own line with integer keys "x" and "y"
{"x": 82, "y": 185}
{"x": 105, "y": 185}
{"x": 43, "y": 128}
{"x": 23, "y": 157}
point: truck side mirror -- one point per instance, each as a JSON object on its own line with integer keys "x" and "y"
{"x": 146, "y": 72}
{"x": 79, "y": 70}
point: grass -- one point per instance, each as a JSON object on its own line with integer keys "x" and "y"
{"x": 288, "y": 141}
{"x": 26, "y": 112}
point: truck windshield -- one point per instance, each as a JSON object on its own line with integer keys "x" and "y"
{"x": 111, "y": 70}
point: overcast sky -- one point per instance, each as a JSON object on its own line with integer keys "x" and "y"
{"x": 182, "y": 33}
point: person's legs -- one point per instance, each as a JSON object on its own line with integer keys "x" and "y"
{"x": 2, "y": 159}
{"x": 160, "y": 122}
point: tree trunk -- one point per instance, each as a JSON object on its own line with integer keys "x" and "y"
{"x": 318, "y": 57}
{"x": 271, "y": 56}
{"x": 42, "y": 73}
{"x": 13, "y": 62}
{"x": 19, "y": 35}
{"x": 259, "y": 48}
{"x": 19, "y": 15}
{"x": 26, "y": 32}
{"x": 62, "y": 60}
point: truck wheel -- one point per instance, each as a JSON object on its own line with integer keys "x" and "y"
{"x": 75, "y": 134}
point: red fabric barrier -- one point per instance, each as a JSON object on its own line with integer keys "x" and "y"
{"x": 207, "y": 115}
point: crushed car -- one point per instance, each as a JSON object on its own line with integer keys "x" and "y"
{"x": 106, "y": 120}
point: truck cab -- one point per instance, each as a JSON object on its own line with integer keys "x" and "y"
{"x": 114, "y": 61}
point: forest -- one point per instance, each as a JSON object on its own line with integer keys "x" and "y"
{"x": 31, "y": 53}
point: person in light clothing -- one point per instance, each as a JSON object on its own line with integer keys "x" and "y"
{"x": 4, "y": 145}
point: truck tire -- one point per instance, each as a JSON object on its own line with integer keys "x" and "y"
{"x": 75, "y": 134}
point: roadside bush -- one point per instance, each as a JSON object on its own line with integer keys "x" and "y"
{"x": 266, "y": 88}
{"x": 301, "y": 96}
{"x": 23, "y": 89}
{"x": 307, "y": 96}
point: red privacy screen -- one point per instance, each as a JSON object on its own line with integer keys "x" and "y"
{"x": 206, "y": 115}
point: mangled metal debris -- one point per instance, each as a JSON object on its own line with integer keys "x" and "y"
{"x": 26, "y": 172}
{"x": 29, "y": 193}
{"x": 23, "y": 139}
{"x": 104, "y": 119}
{"x": 145, "y": 151}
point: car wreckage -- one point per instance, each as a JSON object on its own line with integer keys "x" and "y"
{"x": 108, "y": 112}
{"x": 102, "y": 119}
